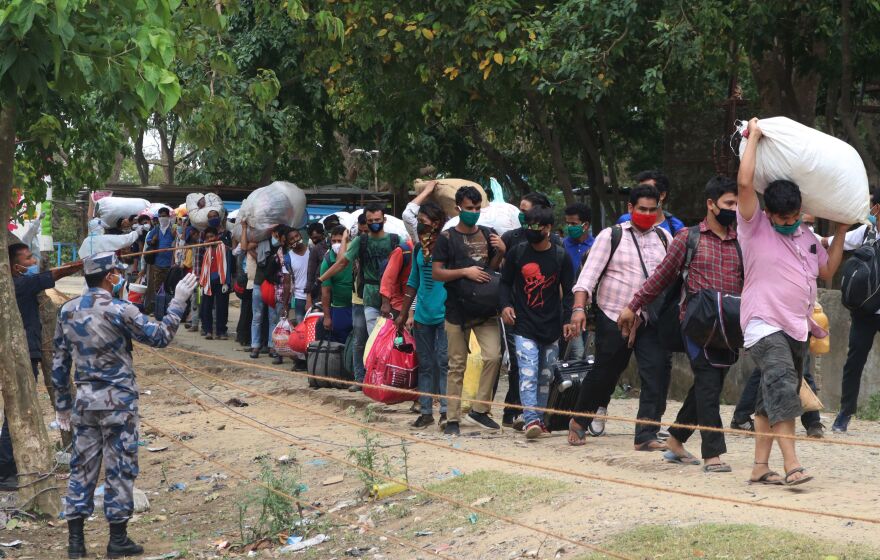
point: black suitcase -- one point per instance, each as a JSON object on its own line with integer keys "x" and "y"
{"x": 564, "y": 391}
{"x": 325, "y": 358}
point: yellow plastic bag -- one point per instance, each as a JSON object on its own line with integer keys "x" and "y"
{"x": 471, "y": 374}
{"x": 820, "y": 345}
{"x": 379, "y": 322}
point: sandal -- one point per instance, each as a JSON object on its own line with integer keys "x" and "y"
{"x": 651, "y": 445}
{"x": 717, "y": 468}
{"x": 579, "y": 433}
{"x": 689, "y": 459}
{"x": 801, "y": 480}
{"x": 765, "y": 479}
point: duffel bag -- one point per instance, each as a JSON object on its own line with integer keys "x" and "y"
{"x": 325, "y": 359}
{"x": 712, "y": 320}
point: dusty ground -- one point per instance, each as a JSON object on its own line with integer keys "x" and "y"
{"x": 192, "y": 521}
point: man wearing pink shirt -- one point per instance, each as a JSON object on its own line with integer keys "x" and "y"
{"x": 782, "y": 260}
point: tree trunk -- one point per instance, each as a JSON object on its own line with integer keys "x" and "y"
{"x": 33, "y": 450}
{"x": 551, "y": 139}
{"x": 509, "y": 174}
{"x": 610, "y": 160}
{"x": 350, "y": 163}
{"x": 848, "y": 120}
{"x": 117, "y": 168}
{"x": 167, "y": 148}
{"x": 140, "y": 160}
{"x": 592, "y": 163}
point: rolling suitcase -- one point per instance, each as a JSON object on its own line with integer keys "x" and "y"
{"x": 325, "y": 358}
{"x": 564, "y": 390}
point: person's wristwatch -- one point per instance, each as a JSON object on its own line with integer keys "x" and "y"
{"x": 576, "y": 309}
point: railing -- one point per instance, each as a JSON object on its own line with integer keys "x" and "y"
{"x": 65, "y": 252}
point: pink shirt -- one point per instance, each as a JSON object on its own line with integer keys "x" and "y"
{"x": 624, "y": 276}
{"x": 780, "y": 275}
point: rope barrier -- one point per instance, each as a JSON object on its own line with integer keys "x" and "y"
{"x": 167, "y": 249}
{"x": 545, "y": 410}
{"x": 406, "y": 483}
{"x": 293, "y": 499}
{"x": 518, "y": 463}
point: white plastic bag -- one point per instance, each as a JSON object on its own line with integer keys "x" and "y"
{"x": 829, "y": 172}
{"x": 153, "y": 209}
{"x": 113, "y": 208}
{"x": 500, "y": 216}
{"x": 102, "y": 243}
{"x": 393, "y": 224}
{"x": 278, "y": 203}
{"x": 198, "y": 206}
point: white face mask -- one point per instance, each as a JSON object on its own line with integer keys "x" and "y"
{"x": 164, "y": 223}
{"x": 336, "y": 247}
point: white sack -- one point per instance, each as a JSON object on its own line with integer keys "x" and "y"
{"x": 829, "y": 172}
{"x": 500, "y": 216}
{"x": 344, "y": 219}
{"x": 278, "y": 203}
{"x": 198, "y": 206}
{"x": 112, "y": 208}
{"x": 153, "y": 209}
{"x": 393, "y": 224}
{"x": 101, "y": 243}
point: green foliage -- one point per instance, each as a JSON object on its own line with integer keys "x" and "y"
{"x": 871, "y": 409}
{"x": 277, "y": 513}
{"x": 372, "y": 462}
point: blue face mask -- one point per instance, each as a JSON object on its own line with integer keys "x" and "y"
{"x": 117, "y": 287}
{"x": 275, "y": 242}
{"x": 787, "y": 229}
{"x": 214, "y": 222}
{"x": 873, "y": 219}
{"x": 32, "y": 270}
{"x": 376, "y": 228}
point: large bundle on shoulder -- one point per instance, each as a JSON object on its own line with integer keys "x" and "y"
{"x": 500, "y": 216}
{"x": 393, "y": 224}
{"x": 444, "y": 193}
{"x": 278, "y": 203}
{"x": 111, "y": 209}
{"x": 198, "y": 206}
{"x": 829, "y": 172}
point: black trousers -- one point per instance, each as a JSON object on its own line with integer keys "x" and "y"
{"x": 861, "y": 340}
{"x": 512, "y": 396}
{"x": 746, "y": 405}
{"x": 243, "y": 328}
{"x": 702, "y": 406}
{"x": 612, "y": 357}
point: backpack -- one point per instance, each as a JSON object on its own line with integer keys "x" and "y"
{"x": 383, "y": 263}
{"x": 479, "y": 300}
{"x": 668, "y": 216}
{"x": 860, "y": 284}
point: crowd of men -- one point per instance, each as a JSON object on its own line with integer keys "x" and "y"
{"x": 551, "y": 285}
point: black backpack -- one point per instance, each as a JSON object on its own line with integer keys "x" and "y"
{"x": 860, "y": 286}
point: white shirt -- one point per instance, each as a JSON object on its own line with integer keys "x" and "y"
{"x": 300, "y": 271}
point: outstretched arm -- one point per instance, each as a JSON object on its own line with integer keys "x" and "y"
{"x": 747, "y": 202}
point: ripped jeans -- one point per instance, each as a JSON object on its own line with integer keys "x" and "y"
{"x": 536, "y": 363}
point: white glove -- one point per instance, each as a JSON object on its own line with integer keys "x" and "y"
{"x": 184, "y": 289}
{"x": 63, "y": 419}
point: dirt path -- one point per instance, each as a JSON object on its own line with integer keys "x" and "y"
{"x": 206, "y": 512}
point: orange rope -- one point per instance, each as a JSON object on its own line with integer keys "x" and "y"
{"x": 415, "y": 393}
{"x": 293, "y": 499}
{"x": 405, "y": 483}
{"x": 518, "y": 463}
{"x": 167, "y": 249}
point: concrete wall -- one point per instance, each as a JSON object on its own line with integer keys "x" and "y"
{"x": 828, "y": 368}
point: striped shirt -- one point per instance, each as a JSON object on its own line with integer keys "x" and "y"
{"x": 624, "y": 275}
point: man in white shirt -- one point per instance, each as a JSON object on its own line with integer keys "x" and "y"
{"x": 861, "y": 331}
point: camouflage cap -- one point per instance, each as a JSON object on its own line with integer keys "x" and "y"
{"x": 102, "y": 262}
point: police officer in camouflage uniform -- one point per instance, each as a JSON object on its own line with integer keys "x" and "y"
{"x": 94, "y": 333}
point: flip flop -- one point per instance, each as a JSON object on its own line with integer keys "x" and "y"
{"x": 717, "y": 468}
{"x": 765, "y": 479}
{"x": 806, "y": 478}
{"x": 689, "y": 459}
{"x": 578, "y": 431}
{"x": 651, "y": 445}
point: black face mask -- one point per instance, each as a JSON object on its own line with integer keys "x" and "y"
{"x": 726, "y": 217}
{"x": 424, "y": 229}
{"x": 534, "y": 237}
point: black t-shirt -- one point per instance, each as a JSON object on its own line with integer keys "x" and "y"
{"x": 517, "y": 236}
{"x": 530, "y": 282}
{"x": 455, "y": 250}
{"x": 26, "y": 290}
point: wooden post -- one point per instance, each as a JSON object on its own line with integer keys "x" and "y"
{"x": 33, "y": 450}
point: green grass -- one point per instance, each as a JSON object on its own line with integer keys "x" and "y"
{"x": 731, "y": 542}
{"x": 510, "y": 495}
{"x": 871, "y": 409}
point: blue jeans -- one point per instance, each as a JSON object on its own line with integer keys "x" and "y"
{"x": 299, "y": 310}
{"x": 259, "y": 307}
{"x": 536, "y": 363}
{"x": 432, "y": 350}
{"x": 371, "y": 314}
{"x": 359, "y": 324}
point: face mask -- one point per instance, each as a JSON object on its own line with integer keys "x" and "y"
{"x": 31, "y": 270}
{"x": 726, "y": 217}
{"x": 789, "y": 229}
{"x": 643, "y": 221}
{"x": 522, "y": 219}
{"x": 275, "y": 242}
{"x": 145, "y": 228}
{"x": 468, "y": 218}
{"x": 214, "y": 222}
{"x": 575, "y": 232}
{"x": 336, "y": 247}
{"x": 534, "y": 236}
{"x": 164, "y": 223}
{"x": 376, "y": 228}
{"x": 296, "y": 244}
{"x": 117, "y": 287}
{"x": 873, "y": 219}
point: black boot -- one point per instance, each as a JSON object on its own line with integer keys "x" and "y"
{"x": 76, "y": 541}
{"x": 120, "y": 545}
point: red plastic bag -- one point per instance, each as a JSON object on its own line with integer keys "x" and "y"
{"x": 389, "y": 367}
{"x": 267, "y": 292}
{"x": 302, "y": 334}
{"x": 281, "y": 338}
